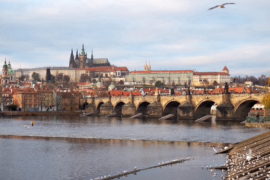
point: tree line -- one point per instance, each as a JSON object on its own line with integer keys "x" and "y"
{"x": 262, "y": 80}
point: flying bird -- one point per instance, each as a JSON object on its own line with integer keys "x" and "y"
{"x": 220, "y": 6}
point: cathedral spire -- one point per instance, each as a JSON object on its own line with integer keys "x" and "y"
{"x": 71, "y": 55}
{"x": 83, "y": 51}
{"x": 77, "y": 55}
{"x": 92, "y": 55}
{"x": 71, "y": 59}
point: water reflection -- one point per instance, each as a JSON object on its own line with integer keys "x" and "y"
{"x": 35, "y": 159}
{"x": 84, "y": 148}
{"x": 113, "y": 128}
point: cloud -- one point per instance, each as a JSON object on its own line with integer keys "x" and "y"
{"x": 178, "y": 34}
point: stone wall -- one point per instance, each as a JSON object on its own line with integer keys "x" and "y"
{"x": 74, "y": 74}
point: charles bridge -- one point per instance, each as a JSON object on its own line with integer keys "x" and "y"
{"x": 186, "y": 107}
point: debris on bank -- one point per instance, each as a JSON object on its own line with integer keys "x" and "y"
{"x": 250, "y": 159}
{"x": 135, "y": 170}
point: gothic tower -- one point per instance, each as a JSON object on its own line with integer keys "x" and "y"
{"x": 72, "y": 63}
{"x": 91, "y": 60}
{"x": 82, "y": 57}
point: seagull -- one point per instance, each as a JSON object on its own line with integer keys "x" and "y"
{"x": 249, "y": 155}
{"x": 220, "y": 6}
{"x": 215, "y": 150}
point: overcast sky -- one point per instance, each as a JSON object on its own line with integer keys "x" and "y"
{"x": 171, "y": 34}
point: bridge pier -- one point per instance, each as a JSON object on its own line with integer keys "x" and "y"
{"x": 185, "y": 112}
{"x": 128, "y": 109}
{"x": 106, "y": 109}
{"x": 154, "y": 110}
{"x": 225, "y": 112}
{"x": 90, "y": 109}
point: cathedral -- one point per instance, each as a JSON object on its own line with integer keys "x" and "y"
{"x": 82, "y": 61}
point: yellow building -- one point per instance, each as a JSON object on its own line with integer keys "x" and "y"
{"x": 31, "y": 100}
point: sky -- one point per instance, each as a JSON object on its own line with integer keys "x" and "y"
{"x": 170, "y": 35}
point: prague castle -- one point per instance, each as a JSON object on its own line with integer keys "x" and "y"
{"x": 78, "y": 66}
{"x": 81, "y": 66}
{"x": 82, "y": 61}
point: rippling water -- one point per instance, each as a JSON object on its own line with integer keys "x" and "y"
{"x": 23, "y": 159}
{"x": 90, "y": 127}
{"x": 32, "y": 159}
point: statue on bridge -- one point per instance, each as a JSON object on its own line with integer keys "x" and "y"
{"x": 226, "y": 88}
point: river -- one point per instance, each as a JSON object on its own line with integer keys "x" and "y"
{"x": 92, "y": 147}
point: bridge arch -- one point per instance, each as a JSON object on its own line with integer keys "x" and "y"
{"x": 118, "y": 108}
{"x": 171, "y": 108}
{"x": 242, "y": 109}
{"x": 142, "y": 107}
{"x": 204, "y": 108}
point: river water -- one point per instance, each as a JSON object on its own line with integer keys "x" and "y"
{"x": 129, "y": 143}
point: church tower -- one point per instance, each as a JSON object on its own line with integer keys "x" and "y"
{"x": 226, "y": 70}
{"x": 82, "y": 58}
{"x": 5, "y": 69}
{"x": 147, "y": 67}
{"x": 5, "y": 78}
{"x": 72, "y": 63}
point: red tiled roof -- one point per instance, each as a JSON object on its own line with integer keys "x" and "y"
{"x": 107, "y": 69}
{"x": 210, "y": 73}
{"x": 162, "y": 71}
{"x": 225, "y": 69}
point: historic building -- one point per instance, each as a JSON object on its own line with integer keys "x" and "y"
{"x": 79, "y": 66}
{"x": 8, "y": 75}
{"x": 178, "y": 77}
{"x": 82, "y": 61}
{"x": 211, "y": 78}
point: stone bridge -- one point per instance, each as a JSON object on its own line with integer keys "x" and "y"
{"x": 228, "y": 106}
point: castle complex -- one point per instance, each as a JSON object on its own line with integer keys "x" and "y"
{"x": 79, "y": 65}
{"x": 82, "y": 68}
{"x": 179, "y": 77}
{"x": 82, "y": 61}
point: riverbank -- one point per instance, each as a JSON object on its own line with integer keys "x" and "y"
{"x": 118, "y": 141}
{"x": 50, "y": 113}
{"x": 249, "y": 159}
{"x": 258, "y": 125}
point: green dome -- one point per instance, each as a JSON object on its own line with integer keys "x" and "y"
{"x": 5, "y": 66}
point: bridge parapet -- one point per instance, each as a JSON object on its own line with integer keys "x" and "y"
{"x": 140, "y": 99}
{"x": 188, "y": 105}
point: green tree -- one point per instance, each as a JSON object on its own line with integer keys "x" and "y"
{"x": 23, "y": 78}
{"x": 159, "y": 84}
{"x": 66, "y": 79}
{"x": 35, "y": 76}
{"x": 266, "y": 101}
{"x": 215, "y": 83}
{"x": 59, "y": 77}
{"x": 84, "y": 78}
